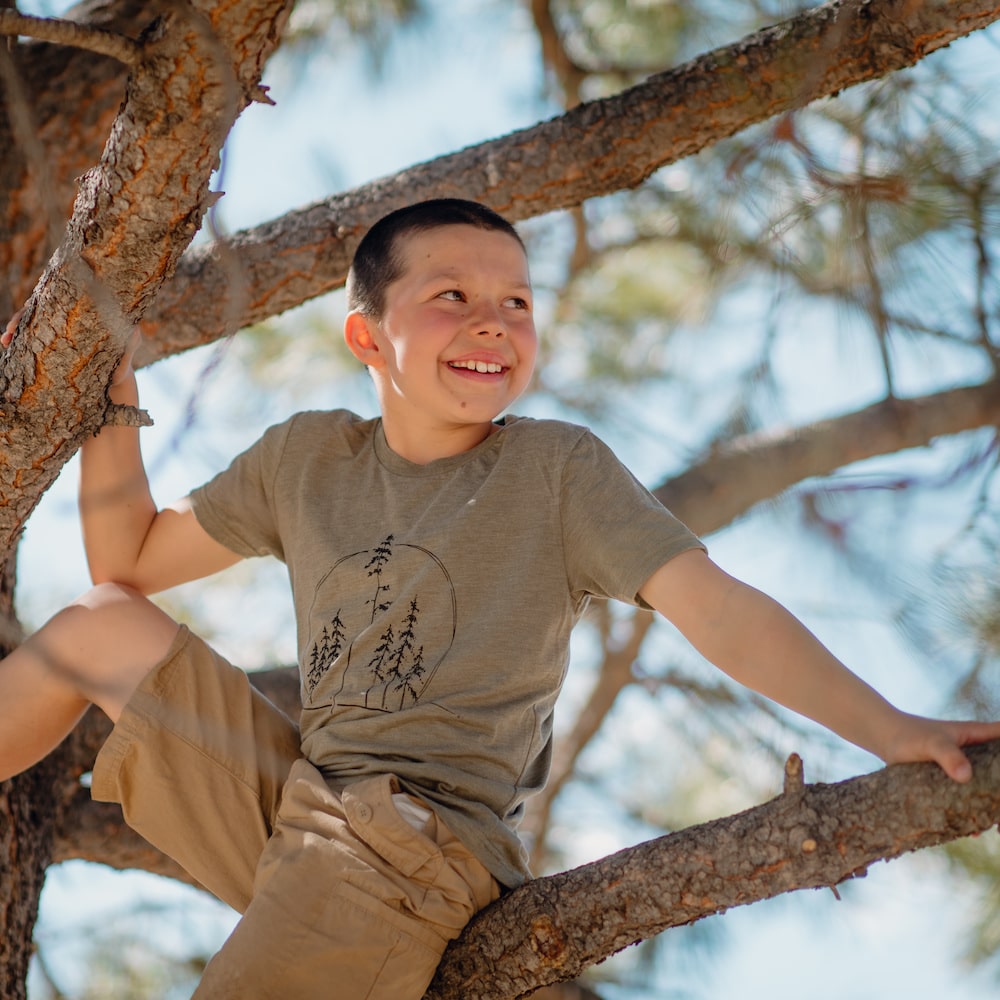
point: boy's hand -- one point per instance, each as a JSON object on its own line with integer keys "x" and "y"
{"x": 920, "y": 739}
{"x": 8, "y": 334}
{"x": 124, "y": 368}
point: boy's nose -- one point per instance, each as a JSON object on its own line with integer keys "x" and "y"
{"x": 489, "y": 322}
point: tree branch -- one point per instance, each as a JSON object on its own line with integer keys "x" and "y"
{"x": 595, "y": 149}
{"x": 712, "y": 493}
{"x": 808, "y": 837}
{"x": 70, "y": 33}
{"x": 813, "y": 836}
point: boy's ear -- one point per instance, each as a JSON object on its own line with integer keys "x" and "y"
{"x": 358, "y": 335}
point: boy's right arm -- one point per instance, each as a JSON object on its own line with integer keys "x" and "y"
{"x": 127, "y": 540}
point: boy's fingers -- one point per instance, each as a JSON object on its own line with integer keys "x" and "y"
{"x": 8, "y": 334}
{"x": 979, "y": 732}
{"x": 946, "y": 749}
{"x": 956, "y": 765}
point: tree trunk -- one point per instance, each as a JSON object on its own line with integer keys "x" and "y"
{"x": 31, "y": 809}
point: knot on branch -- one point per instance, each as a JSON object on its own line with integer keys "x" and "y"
{"x": 259, "y": 95}
{"x": 122, "y": 415}
{"x": 795, "y": 782}
{"x": 548, "y": 941}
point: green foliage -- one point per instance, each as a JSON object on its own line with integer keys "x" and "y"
{"x": 875, "y": 208}
{"x": 978, "y": 861}
{"x": 337, "y": 24}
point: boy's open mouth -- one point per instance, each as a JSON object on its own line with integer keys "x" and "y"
{"x": 483, "y": 367}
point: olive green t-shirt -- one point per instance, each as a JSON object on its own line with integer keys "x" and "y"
{"x": 434, "y": 602}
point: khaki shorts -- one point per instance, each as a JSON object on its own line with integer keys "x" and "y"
{"x": 341, "y": 896}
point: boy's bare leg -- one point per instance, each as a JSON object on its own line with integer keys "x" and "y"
{"x": 97, "y": 650}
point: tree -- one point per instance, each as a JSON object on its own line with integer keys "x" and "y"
{"x": 125, "y": 258}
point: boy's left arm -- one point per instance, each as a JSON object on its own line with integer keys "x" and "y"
{"x": 760, "y": 644}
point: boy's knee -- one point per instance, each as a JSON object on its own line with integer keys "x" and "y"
{"x": 105, "y": 642}
{"x": 108, "y": 596}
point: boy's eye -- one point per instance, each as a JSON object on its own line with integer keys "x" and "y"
{"x": 517, "y": 302}
{"x": 452, "y": 295}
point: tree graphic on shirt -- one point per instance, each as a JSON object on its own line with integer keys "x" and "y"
{"x": 396, "y": 664}
{"x": 325, "y": 651}
{"x": 372, "y": 655}
{"x": 377, "y": 664}
{"x": 381, "y": 555}
{"x": 405, "y": 665}
{"x": 405, "y": 682}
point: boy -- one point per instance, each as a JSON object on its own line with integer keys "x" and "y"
{"x": 438, "y": 558}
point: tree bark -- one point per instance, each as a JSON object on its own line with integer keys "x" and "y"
{"x": 32, "y": 808}
{"x": 809, "y": 837}
{"x": 69, "y": 98}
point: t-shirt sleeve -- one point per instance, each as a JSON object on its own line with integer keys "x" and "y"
{"x": 616, "y": 534}
{"x": 237, "y": 507}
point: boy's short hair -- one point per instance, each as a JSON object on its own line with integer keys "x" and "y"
{"x": 378, "y": 260}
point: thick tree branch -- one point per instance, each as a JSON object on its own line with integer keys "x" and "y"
{"x": 70, "y": 33}
{"x": 595, "y": 149}
{"x": 714, "y": 492}
{"x": 809, "y": 837}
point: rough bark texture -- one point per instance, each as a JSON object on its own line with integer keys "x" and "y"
{"x": 808, "y": 837}
{"x": 32, "y": 807}
{"x": 38, "y": 171}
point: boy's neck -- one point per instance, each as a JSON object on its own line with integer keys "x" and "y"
{"x": 421, "y": 446}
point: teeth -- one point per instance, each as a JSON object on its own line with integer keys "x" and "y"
{"x": 483, "y": 367}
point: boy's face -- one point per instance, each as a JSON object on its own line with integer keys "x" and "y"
{"x": 456, "y": 343}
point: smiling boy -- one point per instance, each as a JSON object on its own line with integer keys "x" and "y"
{"x": 439, "y": 385}
{"x": 439, "y": 558}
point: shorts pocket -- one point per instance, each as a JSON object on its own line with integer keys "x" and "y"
{"x": 375, "y": 820}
